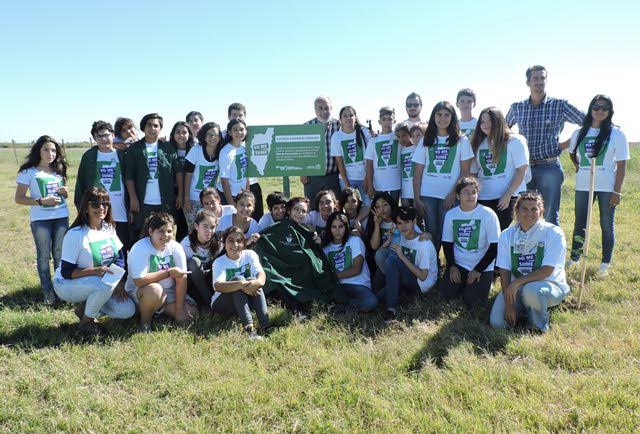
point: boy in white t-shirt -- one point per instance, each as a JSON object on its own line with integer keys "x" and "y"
{"x": 277, "y": 204}
{"x": 381, "y": 159}
{"x": 406, "y": 149}
{"x": 466, "y": 101}
{"x": 412, "y": 265}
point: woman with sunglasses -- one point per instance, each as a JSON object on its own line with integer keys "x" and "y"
{"x": 530, "y": 257}
{"x": 598, "y": 138}
{"x": 89, "y": 247}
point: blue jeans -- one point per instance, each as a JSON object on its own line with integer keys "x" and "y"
{"x": 360, "y": 186}
{"x": 240, "y": 303}
{"x": 97, "y": 294}
{"x": 434, "y": 218}
{"x": 547, "y": 178}
{"x": 607, "y": 214}
{"x": 397, "y": 278}
{"x": 360, "y": 297}
{"x": 48, "y": 235}
{"x": 532, "y": 299}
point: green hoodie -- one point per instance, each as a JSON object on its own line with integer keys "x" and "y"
{"x": 295, "y": 264}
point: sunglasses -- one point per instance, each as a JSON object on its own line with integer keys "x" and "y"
{"x": 97, "y": 204}
{"x": 413, "y": 105}
{"x": 600, "y": 107}
{"x": 530, "y": 193}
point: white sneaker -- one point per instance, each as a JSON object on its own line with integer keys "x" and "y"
{"x": 604, "y": 269}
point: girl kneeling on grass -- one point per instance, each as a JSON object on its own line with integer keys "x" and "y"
{"x": 201, "y": 247}
{"x": 238, "y": 278}
{"x": 157, "y": 278}
{"x": 531, "y": 261}
{"x": 346, "y": 254}
{"x": 89, "y": 247}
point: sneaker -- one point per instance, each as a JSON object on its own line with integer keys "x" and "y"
{"x": 79, "y": 310}
{"x": 252, "y": 334}
{"x": 604, "y": 269}
{"x": 389, "y": 317}
{"x": 49, "y": 299}
{"x": 571, "y": 263}
{"x": 144, "y": 328}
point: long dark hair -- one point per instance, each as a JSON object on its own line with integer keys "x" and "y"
{"x": 370, "y": 225}
{"x": 59, "y": 165}
{"x": 327, "y": 238}
{"x": 499, "y": 135}
{"x": 94, "y": 194}
{"x": 202, "y": 137}
{"x": 172, "y": 136}
{"x": 230, "y": 125}
{"x": 345, "y": 195}
{"x": 211, "y": 245}
{"x": 605, "y": 128}
{"x": 453, "y": 130}
{"x": 360, "y": 140}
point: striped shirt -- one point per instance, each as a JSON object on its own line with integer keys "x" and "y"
{"x": 542, "y": 124}
{"x": 333, "y": 125}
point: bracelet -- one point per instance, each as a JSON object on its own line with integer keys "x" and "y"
{"x": 617, "y": 192}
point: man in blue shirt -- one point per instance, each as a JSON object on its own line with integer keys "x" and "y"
{"x": 540, "y": 118}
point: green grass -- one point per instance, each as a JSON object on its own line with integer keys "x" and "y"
{"x": 440, "y": 369}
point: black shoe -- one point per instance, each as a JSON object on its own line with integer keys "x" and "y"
{"x": 79, "y": 310}
{"x": 389, "y": 317}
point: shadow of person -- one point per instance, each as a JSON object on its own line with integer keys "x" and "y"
{"x": 23, "y": 299}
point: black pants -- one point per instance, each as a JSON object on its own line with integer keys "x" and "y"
{"x": 474, "y": 295}
{"x": 505, "y": 216}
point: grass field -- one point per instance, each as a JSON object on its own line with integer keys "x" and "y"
{"x": 440, "y": 369}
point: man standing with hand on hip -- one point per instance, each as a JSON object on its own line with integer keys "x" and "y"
{"x": 540, "y": 118}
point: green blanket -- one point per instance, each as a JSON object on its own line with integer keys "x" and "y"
{"x": 295, "y": 264}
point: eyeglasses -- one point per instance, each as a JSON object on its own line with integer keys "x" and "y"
{"x": 600, "y": 107}
{"x": 103, "y": 136}
{"x": 413, "y": 104}
{"x": 97, "y": 204}
{"x": 530, "y": 193}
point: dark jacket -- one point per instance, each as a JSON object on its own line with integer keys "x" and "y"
{"x": 295, "y": 264}
{"x": 88, "y": 175}
{"x": 137, "y": 170}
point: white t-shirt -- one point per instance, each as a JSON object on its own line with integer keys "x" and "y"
{"x": 617, "y": 149}
{"x": 87, "y": 247}
{"x": 406, "y": 170}
{"x": 143, "y": 258}
{"x": 314, "y": 218}
{"x": 201, "y": 253}
{"x": 109, "y": 177}
{"x": 42, "y": 184}
{"x": 549, "y": 248}
{"x": 341, "y": 258}
{"x": 383, "y": 151}
{"x": 468, "y": 127}
{"x": 233, "y": 166}
{"x": 471, "y": 234}
{"x": 423, "y": 255}
{"x": 344, "y": 145}
{"x": 226, "y": 222}
{"x": 441, "y": 165}
{"x": 152, "y": 193}
{"x": 266, "y": 221}
{"x": 225, "y": 269}
{"x": 494, "y": 178}
{"x": 205, "y": 172}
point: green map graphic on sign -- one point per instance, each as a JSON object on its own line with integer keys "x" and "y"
{"x": 286, "y": 150}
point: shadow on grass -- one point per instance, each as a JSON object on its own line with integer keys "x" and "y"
{"x": 23, "y": 299}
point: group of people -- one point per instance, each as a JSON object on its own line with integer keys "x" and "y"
{"x": 369, "y": 229}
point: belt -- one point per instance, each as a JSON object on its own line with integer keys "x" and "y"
{"x": 544, "y": 160}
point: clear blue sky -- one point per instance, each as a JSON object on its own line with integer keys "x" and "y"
{"x": 68, "y": 63}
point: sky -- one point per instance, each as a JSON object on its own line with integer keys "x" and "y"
{"x": 66, "y": 64}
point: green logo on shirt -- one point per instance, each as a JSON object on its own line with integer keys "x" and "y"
{"x": 526, "y": 263}
{"x": 387, "y": 152}
{"x": 341, "y": 259}
{"x": 104, "y": 252}
{"x": 152, "y": 161}
{"x": 206, "y": 176}
{"x": 489, "y": 168}
{"x": 108, "y": 176}
{"x": 351, "y": 151}
{"x": 48, "y": 186}
{"x": 241, "y": 166}
{"x": 160, "y": 263}
{"x": 243, "y": 270}
{"x": 466, "y": 233}
{"x": 407, "y": 165}
{"x": 586, "y": 148}
{"x": 441, "y": 158}
{"x": 409, "y": 253}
